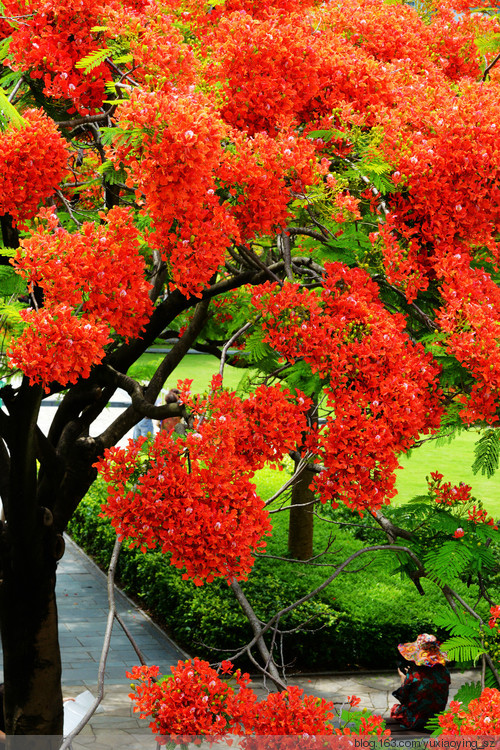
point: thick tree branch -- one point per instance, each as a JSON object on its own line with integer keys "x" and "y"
{"x": 130, "y": 416}
{"x": 392, "y": 531}
{"x": 107, "y": 375}
{"x": 306, "y": 232}
{"x": 490, "y": 66}
{"x": 270, "y": 623}
{"x": 269, "y": 665}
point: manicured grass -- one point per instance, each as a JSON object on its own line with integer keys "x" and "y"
{"x": 454, "y": 461}
{"x": 198, "y": 367}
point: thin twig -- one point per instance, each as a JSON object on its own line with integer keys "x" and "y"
{"x": 301, "y": 465}
{"x": 489, "y": 67}
{"x": 259, "y": 639}
{"x": 270, "y": 623}
{"x": 105, "y": 649}
{"x": 231, "y": 341}
{"x": 16, "y": 89}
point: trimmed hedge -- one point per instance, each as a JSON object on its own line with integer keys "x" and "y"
{"x": 355, "y": 623}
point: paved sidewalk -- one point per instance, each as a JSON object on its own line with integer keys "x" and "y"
{"x": 83, "y": 606}
{"x": 82, "y": 602}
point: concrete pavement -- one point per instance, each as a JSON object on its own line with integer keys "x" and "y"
{"x": 82, "y": 604}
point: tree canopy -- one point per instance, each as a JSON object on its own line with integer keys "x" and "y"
{"x": 316, "y": 184}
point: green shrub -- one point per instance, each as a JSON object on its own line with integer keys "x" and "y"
{"x": 357, "y": 621}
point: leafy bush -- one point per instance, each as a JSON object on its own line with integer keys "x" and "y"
{"x": 357, "y": 621}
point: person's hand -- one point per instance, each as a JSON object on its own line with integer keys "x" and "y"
{"x": 402, "y": 675}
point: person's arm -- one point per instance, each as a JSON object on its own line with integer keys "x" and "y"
{"x": 409, "y": 688}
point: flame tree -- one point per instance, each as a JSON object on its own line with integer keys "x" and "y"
{"x": 320, "y": 182}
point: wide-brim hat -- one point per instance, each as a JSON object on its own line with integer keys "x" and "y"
{"x": 425, "y": 651}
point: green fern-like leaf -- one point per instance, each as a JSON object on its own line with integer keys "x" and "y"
{"x": 443, "y": 521}
{"x": 487, "y": 451}
{"x": 258, "y": 349}
{"x": 448, "y": 562}
{"x": 92, "y": 60}
{"x": 483, "y": 559}
{"x": 459, "y": 625}
{"x": 463, "y": 649}
{"x": 8, "y": 113}
{"x": 4, "y": 47}
{"x": 10, "y": 282}
{"x": 468, "y": 692}
{"x": 490, "y": 680}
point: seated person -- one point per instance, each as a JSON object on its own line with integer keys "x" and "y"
{"x": 144, "y": 428}
{"x": 425, "y": 682}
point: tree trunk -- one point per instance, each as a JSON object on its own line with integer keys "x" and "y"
{"x": 32, "y": 662}
{"x": 301, "y": 521}
{"x": 29, "y": 550}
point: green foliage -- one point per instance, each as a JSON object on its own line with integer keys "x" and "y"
{"x": 448, "y": 561}
{"x": 112, "y": 175}
{"x": 487, "y": 452}
{"x": 93, "y": 59}
{"x": 8, "y": 113}
{"x": 463, "y": 649}
{"x": 468, "y": 692}
{"x": 355, "y": 622}
{"x": 10, "y": 281}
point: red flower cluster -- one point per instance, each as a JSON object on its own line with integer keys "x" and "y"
{"x": 195, "y": 701}
{"x": 203, "y": 195}
{"x": 33, "y": 159}
{"x": 256, "y": 175}
{"x": 256, "y": 58}
{"x": 99, "y": 273}
{"x": 50, "y": 39}
{"x": 495, "y": 614}
{"x": 470, "y": 320}
{"x": 448, "y": 494}
{"x": 381, "y": 389}
{"x": 58, "y": 347}
{"x": 455, "y": 496}
{"x": 481, "y": 716}
{"x": 194, "y": 496}
{"x": 173, "y": 167}
{"x": 161, "y": 58}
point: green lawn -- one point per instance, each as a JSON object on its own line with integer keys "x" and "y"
{"x": 454, "y": 461}
{"x": 198, "y": 367}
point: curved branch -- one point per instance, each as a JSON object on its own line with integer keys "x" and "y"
{"x": 392, "y": 531}
{"x": 490, "y": 66}
{"x": 306, "y": 232}
{"x": 109, "y": 376}
{"x": 256, "y": 624}
{"x": 270, "y": 623}
{"x": 231, "y": 341}
{"x": 129, "y": 417}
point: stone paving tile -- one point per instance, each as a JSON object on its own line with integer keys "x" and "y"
{"x": 82, "y": 604}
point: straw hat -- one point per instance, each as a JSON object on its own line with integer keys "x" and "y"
{"x": 424, "y": 651}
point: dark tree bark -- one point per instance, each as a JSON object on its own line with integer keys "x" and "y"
{"x": 10, "y": 236}
{"x": 29, "y": 550}
{"x": 301, "y": 519}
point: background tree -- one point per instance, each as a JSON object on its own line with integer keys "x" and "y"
{"x": 158, "y": 159}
